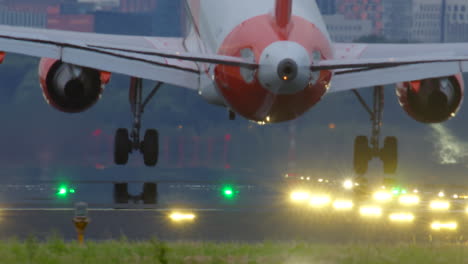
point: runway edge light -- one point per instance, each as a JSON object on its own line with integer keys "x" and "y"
{"x": 181, "y": 217}
{"x": 81, "y": 220}
{"x": 228, "y": 192}
{"x": 348, "y": 184}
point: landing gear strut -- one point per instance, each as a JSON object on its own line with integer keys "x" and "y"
{"x": 365, "y": 150}
{"x": 126, "y": 143}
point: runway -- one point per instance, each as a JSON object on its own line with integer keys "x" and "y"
{"x": 257, "y": 215}
{"x": 223, "y": 225}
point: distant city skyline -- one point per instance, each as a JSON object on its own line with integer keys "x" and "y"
{"x": 347, "y": 21}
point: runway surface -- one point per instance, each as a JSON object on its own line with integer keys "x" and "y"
{"x": 257, "y": 214}
{"x": 224, "y": 225}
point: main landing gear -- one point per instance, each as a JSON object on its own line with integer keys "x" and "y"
{"x": 365, "y": 151}
{"x": 126, "y": 143}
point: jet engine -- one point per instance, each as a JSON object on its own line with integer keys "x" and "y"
{"x": 70, "y": 88}
{"x": 432, "y": 100}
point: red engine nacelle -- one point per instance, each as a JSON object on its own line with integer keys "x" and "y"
{"x": 70, "y": 88}
{"x": 432, "y": 100}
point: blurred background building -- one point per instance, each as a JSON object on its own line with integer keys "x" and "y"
{"x": 82, "y": 15}
{"x": 426, "y": 20}
{"x": 347, "y": 20}
{"x": 370, "y": 10}
{"x": 347, "y": 30}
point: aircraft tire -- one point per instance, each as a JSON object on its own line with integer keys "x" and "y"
{"x": 150, "y": 148}
{"x": 362, "y": 155}
{"x": 122, "y": 147}
{"x": 389, "y": 155}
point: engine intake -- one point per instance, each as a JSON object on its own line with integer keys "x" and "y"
{"x": 432, "y": 100}
{"x": 69, "y": 88}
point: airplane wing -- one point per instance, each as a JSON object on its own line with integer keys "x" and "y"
{"x": 154, "y": 58}
{"x": 365, "y": 65}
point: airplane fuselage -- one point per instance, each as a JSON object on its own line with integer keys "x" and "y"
{"x": 283, "y": 87}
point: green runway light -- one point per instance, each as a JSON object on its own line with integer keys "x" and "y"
{"x": 399, "y": 191}
{"x": 228, "y": 192}
{"x": 64, "y": 190}
{"x": 395, "y": 191}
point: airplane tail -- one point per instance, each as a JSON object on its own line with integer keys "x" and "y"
{"x": 283, "y": 12}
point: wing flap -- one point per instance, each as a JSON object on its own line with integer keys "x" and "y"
{"x": 371, "y": 77}
{"x": 344, "y": 65}
{"x": 364, "y": 65}
{"x": 156, "y": 69}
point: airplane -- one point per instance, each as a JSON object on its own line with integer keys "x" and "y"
{"x": 269, "y": 61}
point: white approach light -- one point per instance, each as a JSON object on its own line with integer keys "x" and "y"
{"x": 409, "y": 200}
{"x": 441, "y": 194}
{"x": 343, "y": 205}
{"x": 439, "y": 205}
{"x": 401, "y": 217}
{"x": 382, "y": 196}
{"x": 348, "y": 184}
{"x": 438, "y": 226}
{"x": 370, "y": 211}
{"x": 319, "y": 201}
{"x": 300, "y": 196}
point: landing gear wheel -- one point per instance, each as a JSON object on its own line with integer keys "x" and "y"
{"x": 122, "y": 147}
{"x": 389, "y": 155}
{"x": 121, "y": 195}
{"x": 362, "y": 155}
{"x": 125, "y": 144}
{"x": 150, "y": 193}
{"x": 363, "y": 151}
{"x": 150, "y": 147}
